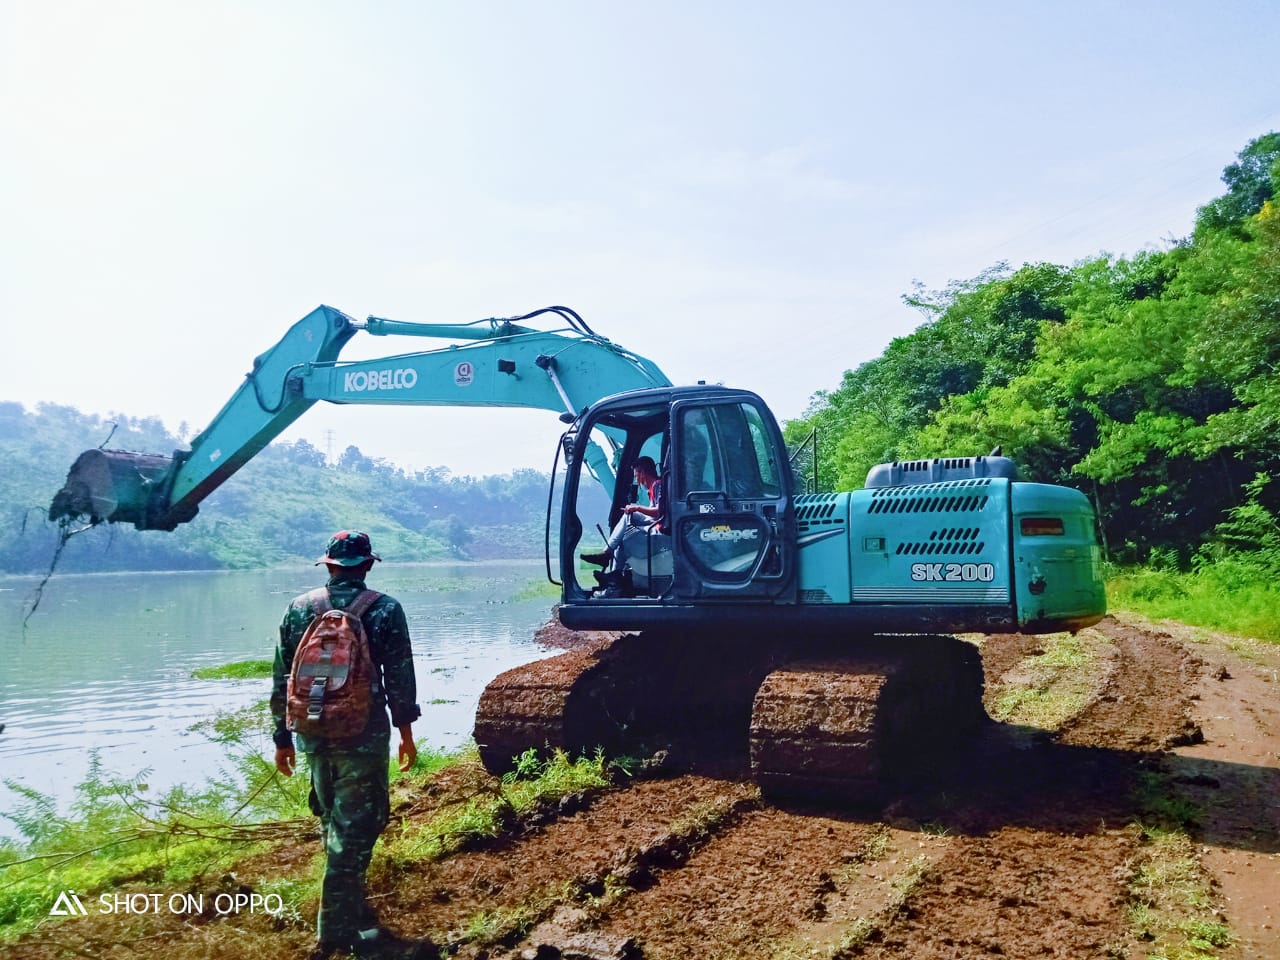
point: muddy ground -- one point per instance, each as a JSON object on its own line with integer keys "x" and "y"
{"x": 1127, "y": 806}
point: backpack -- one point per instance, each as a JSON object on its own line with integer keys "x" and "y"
{"x": 333, "y": 675}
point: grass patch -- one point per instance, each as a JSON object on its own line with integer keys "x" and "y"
{"x": 1049, "y": 688}
{"x": 703, "y": 819}
{"x": 428, "y": 762}
{"x": 489, "y": 814}
{"x": 116, "y": 834}
{"x": 1223, "y": 596}
{"x": 907, "y": 882}
{"x": 1164, "y": 810}
{"x": 537, "y": 589}
{"x": 855, "y": 937}
{"x": 508, "y": 925}
{"x": 240, "y": 670}
{"x": 1170, "y": 902}
{"x": 874, "y": 849}
{"x": 1170, "y": 905}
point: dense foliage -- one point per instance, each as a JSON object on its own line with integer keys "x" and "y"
{"x": 1152, "y": 383}
{"x": 282, "y": 505}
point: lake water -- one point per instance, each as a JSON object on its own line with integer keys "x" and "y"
{"x": 105, "y": 662}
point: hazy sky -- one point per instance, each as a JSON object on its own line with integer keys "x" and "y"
{"x": 740, "y": 191}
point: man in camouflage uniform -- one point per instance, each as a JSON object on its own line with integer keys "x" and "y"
{"x": 349, "y": 777}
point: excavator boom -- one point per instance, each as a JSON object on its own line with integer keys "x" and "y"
{"x": 500, "y": 364}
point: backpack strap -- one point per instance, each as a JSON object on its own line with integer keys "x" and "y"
{"x": 358, "y": 608}
{"x": 361, "y": 604}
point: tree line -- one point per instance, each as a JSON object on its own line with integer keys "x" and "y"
{"x": 1151, "y": 383}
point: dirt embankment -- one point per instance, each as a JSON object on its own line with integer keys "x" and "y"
{"x": 1127, "y": 804}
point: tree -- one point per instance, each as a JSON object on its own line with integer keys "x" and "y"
{"x": 452, "y": 531}
{"x": 979, "y": 335}
{"x": 352, "y": 459}
{"x": 303, "y": 453}
{"x": 1251, "y": 181}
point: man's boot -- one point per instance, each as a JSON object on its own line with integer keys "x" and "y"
{"x": 598, "y": 559}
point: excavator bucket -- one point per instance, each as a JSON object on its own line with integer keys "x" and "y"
{"x": 111, "y": 485}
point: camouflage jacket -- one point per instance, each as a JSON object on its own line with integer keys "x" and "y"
{"x": 388, "y": 632}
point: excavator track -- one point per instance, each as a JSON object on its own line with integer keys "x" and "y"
{"x": 534, "y": 707}
{"x": 844, "y": 728}
{"x": 815, "y": 726}
{"x": 837, "y": 724}
{"x": 633, "y": 695}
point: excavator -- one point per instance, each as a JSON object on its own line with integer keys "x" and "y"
{"x": 807, "y": 637}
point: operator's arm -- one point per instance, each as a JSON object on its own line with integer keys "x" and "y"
{"x": 655, "y": 508}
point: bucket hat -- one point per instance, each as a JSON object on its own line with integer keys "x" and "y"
{"x": 348, "y": 548}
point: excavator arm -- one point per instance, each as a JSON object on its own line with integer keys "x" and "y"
{"x": 499, "y": 363}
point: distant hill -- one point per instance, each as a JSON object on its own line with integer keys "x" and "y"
{"x": 281, "y": 506}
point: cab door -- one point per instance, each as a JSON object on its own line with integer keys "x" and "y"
{"x": 728, "y": 490}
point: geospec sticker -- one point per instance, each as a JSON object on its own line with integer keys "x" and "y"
{"x": 723, "y": 533}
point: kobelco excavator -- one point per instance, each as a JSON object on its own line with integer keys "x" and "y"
{"x": 806, "y": 635}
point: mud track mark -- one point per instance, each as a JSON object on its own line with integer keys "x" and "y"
{"x": 1016, "y": 893}
{"x": 487, "y": 896}
{"x": 774, "y": 879}
{"x": 1146, "y": 702}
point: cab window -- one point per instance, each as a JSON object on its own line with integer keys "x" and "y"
{"x": 725, "y": 448}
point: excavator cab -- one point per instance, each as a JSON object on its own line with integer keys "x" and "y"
{"x": 726, "y": 527}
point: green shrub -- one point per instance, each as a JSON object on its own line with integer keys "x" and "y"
{"x": 1232, "y": 594}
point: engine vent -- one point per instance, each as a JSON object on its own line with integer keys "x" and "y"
{"x": 940, "y": 470}
{"x": 816, "y": 510}
{"x": 949, "y": 541}
{"x": 959, "y": 496}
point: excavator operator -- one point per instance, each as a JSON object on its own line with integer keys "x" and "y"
{"x": 637, "y": 519}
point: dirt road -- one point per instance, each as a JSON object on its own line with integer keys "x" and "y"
{"x": 1125, "y": 804}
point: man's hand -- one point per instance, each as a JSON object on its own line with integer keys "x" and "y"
{"x": 286, "y": 760}
{"x": 408, "y": 750}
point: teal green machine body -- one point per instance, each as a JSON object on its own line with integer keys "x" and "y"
{"x": 1006, "y": 553}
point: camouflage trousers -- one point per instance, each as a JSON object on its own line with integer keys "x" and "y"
{"x": 349, "y": 794}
